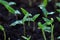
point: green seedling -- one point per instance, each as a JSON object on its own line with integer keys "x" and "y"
{"x": 26, "y": 12}
{"x": 33, "y": 19}
{"x": 8, "y": 7}
{"x": 42, "y": 27}
{"x": 22, "y": 21}
{"x": 26, "y": 38}
{"x": 58, "y": 18}
{"x": 49, "y": 22}
{"x": 2, "y": 29}
{"x": 45, "y": 12}
{"x": 42, "y": 6}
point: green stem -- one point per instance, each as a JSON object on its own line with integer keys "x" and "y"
{"x": 44, "y": 35}
{"x": 24, "y": 29}
{"x": 33, "y": 26}
{"x": 52, "y": 36}
{"x": 4, "y": 35}
{"x": 29, "y": 23}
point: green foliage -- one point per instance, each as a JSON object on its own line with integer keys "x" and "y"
{"x": 8, "y": 7}
{"x": 25, "y": 12}
{"x": 45, "y": 12}
{"x": 58, "y": 18}
{"x": 58, "y": 10}
{"x": 58, "y": 4}
{"x": 26, "y": 38}
{"x": 58, "y": 37}
{"x": 47, "y": 21}
{"x": 12, "y": 3}
{"x": 35, "y": 17}
{"x": 45, "y": 3}
{"x": 44, "y": 27}
{"x": 16, "y": 22}
{"x": 1, "y": 28}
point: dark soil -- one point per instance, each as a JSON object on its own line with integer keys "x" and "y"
{"x": 16, "y": 32}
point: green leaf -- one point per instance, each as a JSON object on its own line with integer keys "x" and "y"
{"x": 25, "y": 12}
{"x": 17, "y": 12}
{"x": 16, "y": 22}
{"x": 47, "y": 29}
{"x": 44, "y": 27}
{"x": 45, "y": 12}
{"x": 51, "y": 13}
{"x": 45, "y": 3}
{"x": 26, "y": 38}
{"x": 35, "y": 17}
{"x": 58, "y": 18}
{"x": 12, "y": 3}
{"x": 1, "y": 28}
{"x": 58, "y": 37}
{"x": 41, "y": 26}
{"x": 58, "y": 4}
{"x": 29, "y": 19}
{"x": 8, "y": 7}
{"x": 47, "y": 21}
{"x": 58, "y": 10}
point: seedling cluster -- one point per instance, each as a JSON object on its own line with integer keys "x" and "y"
{"x": 47, "y": 26}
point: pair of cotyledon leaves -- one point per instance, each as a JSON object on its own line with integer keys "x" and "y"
{"x": 44, "y": 26}
{"x": 25, "y": 18}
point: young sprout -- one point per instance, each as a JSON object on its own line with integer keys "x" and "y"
{"x": 22, "y": 21}
{"x": 42, "y": 27}
{"x": 42, "y": 6}
{"x": 33, "y": 19}
{"x": 45, "y": 12}
{"x": 2, "y": 29}
{"x": 49, "y": 22}
{"x": 26, "y": 12}
{"x": 26, "y": 38}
